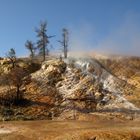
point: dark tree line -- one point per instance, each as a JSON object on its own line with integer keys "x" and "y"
{"x": 41, "y": 44}
{"x": 44, "y": 40}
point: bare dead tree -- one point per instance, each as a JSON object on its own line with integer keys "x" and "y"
{"x": 64, "y": 42}
{"x": 43, "y": 41}
{"x": 14, "y": 81}
{"x": 30, "y": 46}
{"x": 12, "y": 56}
{"x": 17, "y": 79}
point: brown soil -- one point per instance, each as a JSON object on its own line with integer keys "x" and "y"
{"x": 70, "y": 130}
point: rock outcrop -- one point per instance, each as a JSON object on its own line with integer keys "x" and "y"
{"x": 79, "y": 85}
{"x": 70, "y": 88}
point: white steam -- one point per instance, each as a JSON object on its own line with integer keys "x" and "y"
{"x": 122, "y": 40}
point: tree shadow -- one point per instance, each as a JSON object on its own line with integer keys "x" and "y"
{"x": 119, "y": 110}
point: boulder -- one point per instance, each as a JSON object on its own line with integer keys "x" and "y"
{"x": 4, "y": 61}
{"x": 52, "y": 64}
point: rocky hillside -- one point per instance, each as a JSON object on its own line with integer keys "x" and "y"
{"x": 127, "y": 69}
{"x": 72, "y": 88}
{"x": 81, "y": 85}
{"x": 6, "y": 65}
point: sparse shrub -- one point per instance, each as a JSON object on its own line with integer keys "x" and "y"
{"x": 5, "y": 111}
{"x": 11, "y": 55}
{"x": 30, "y": 46}
{"x": 16, "y": 79}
